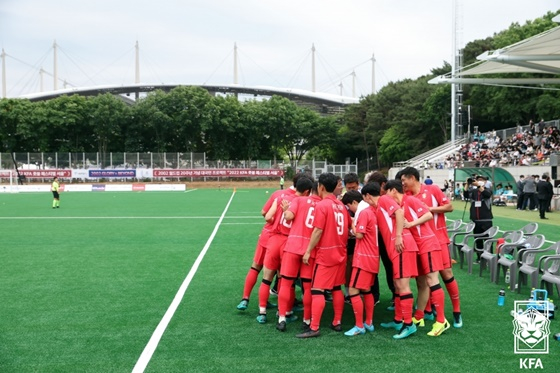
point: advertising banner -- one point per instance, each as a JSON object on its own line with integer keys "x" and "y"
{"x": 218, "y": 172}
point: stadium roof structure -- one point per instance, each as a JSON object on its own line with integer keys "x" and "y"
{"x": 537, "y": 54}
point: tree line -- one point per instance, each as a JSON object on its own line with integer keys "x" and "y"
{"x": 400, "y": 121}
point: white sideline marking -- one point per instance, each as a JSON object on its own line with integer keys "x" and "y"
{"x": 146, "y": 355}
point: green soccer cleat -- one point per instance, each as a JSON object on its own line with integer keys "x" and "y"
{"x": 457, "y": 320}
{"x": 430, "y": 316}
{"x": 369, "y": 328}
{"x": 405, "y": 331}
{"x": 261, "y": 319}
{"x": 242, "y": 306}
{"x": 392, "y": 324}
{"x": 355, "y": 331}
{"x": 439, "y": 328}
{"x": 270, "y": 305}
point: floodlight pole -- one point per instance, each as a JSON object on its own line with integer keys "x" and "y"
{"x": 55, "y": 83}
{"x": 312, "y": 67}
{"x": 3, "y": 55}
{"x": 453, "y": 66}
{"x": 235, "y": 78}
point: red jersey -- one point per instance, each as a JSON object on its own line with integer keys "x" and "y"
{"x": 331, "y": 217}
{"x": 279, "y": 224}
{"x": 366, "y": 253}
{"x": 303, "y": 209}
{"x": 424, "y": 233}
{"x": 386, "y": 207}
{"x": 432, "y": 196}
{"x": 269, "y": 226}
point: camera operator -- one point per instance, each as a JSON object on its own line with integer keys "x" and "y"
{"x": 480, "y": 197}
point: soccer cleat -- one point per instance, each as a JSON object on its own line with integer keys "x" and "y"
{"x": 328, "y": 296}
{"x": 406, "y": 331}
{"x": 242, "y": 306}
{"x": 429, "y": 316}
{"x": 281, "y": 326}
{"x": 392, "y": 324}
{"x": 309, "y": 334}
{"x": 337, "y": 327}
{"x": 457, "y": 320}
{"x": 419, "y": 323}
{"x": 305, "y": 326}
{"x": 369, "y": 328}
{"x": 261, "y": 319}
{"x": 270, "y": 305}
{"x": 355, "y": 331}
{"x": 291, "y": 317}
{"x": 391, "y": 307}
{"x": 439, "y": 328}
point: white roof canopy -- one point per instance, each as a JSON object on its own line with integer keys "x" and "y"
{"x": 538, "y": 54}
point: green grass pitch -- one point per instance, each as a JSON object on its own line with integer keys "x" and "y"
{"x": 84, "y": 287}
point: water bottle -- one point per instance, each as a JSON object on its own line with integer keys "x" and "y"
{"x": 501, "y": 297}
{"x": 533, "y": 294}
{"x": 507, "y": 277}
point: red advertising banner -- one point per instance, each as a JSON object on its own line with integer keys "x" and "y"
{"x": 138, "y": 187}
{"x": 46, "y": 173}
{"x": 219, "y": 172}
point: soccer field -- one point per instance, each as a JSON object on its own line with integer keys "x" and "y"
{"x": 84, "y": 288}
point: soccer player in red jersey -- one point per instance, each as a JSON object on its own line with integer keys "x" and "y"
{"x": 402, "y": 250}
{"x": 260, "y": 250}
{"x": 329, "y": 236}
{"x": 365, "y": 264}
{"x": 276, "y": 242}
{"x": 301, "y": 213}
{"x": 438, "y": 204}
{"x": 419, "y": 222}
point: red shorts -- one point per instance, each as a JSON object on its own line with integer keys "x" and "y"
{"x": 445, "y": 256}
{"x": 291, "y": 264}
{"x": 260, "y": 252}
{"x": 404, "y": 265}
{"x": 328, "y": 277}
{"x": 429, "y": 262}
{"x": 274, "y": 251}
{"x": 306, "y": 270}
{"x": 362, "y": 279}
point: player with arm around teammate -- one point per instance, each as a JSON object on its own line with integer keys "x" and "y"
{"x": 419, "y": 221}
{"x": 301, "y": 213}
{"x": 438, "y": 205}
{"x": 275, "y": 245}
{"x": 402, "y": 250}
{"x": 365, "y": 265}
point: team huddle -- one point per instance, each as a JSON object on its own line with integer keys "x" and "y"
{"x": 328, "y": 240}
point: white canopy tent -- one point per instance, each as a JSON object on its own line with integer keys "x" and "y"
{"x": 538, "y": 54}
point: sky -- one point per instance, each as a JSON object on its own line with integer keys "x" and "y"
{"x": 192, "y": 41}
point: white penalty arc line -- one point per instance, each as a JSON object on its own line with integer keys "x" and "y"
{"x": 150, "y": 348}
